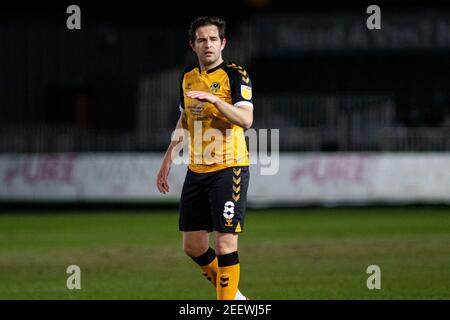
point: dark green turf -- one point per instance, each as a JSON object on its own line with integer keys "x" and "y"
{"x": 285, "y": 254}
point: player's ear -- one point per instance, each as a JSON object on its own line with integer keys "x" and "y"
{"x": 192, "y": 45}
{"x": 224, "y": 42}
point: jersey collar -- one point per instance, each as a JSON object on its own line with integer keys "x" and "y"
{"x": 215, "y": 68}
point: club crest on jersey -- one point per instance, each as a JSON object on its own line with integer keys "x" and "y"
{"x": 215, "y": 86}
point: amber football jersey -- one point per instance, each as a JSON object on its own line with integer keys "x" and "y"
{"x": 215, "y": 143}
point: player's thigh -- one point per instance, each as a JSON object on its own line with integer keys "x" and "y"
{"x": 228, "y": 198}
{"x": 194, "y": 205}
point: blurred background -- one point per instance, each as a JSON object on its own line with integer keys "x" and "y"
{"x": 364, "y": 127}
{"x": 319, "y": 75}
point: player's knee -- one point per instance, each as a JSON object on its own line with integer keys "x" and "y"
{"x": 226, "y": 243}
{"x": 193, "y": 250}
{"x": 225, "y": 247}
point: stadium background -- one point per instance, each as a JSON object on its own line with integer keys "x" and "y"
{"x": 343, "y": 97}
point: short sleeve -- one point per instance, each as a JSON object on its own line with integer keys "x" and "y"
{"x": 241, "y": 88}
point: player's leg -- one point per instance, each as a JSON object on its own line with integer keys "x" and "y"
{"x": 196, "y": 246}
{"x": 195, "y": 222}
{"x": 228, "y": 193}
{"x": 228, "y": 265}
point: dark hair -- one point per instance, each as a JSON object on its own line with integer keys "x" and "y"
{"x": 207, "y": 21}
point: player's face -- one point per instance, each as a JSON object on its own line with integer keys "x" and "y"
{"x": 207, "y": 45}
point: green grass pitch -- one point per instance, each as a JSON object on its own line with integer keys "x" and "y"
{"x": 285, "y": 254}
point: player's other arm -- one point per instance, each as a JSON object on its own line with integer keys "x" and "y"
{"x": 241, "y": 116}
{"x": 161, "y": 179}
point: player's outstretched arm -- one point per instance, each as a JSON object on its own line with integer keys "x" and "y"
{"x": 161, "y": 180}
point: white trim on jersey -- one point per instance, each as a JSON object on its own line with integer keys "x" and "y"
{"x": 243, "y": 103}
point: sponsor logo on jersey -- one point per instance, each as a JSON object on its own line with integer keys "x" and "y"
{"x": 246, "y": 92}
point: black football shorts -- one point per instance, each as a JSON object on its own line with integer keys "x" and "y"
{"x": 214, "y": 201}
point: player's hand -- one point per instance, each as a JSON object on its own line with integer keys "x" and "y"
{"x": 202, "y": 96}
{"x": 161, "y": 179}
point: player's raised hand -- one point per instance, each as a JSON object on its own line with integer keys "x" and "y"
{"x": 202, "y": 96}
{"x": 161, "y": 179}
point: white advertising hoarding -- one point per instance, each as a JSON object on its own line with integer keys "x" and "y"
{"x": 302, "y": 178}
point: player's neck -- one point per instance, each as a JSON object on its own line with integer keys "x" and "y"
{"x": 204, "y": 68}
